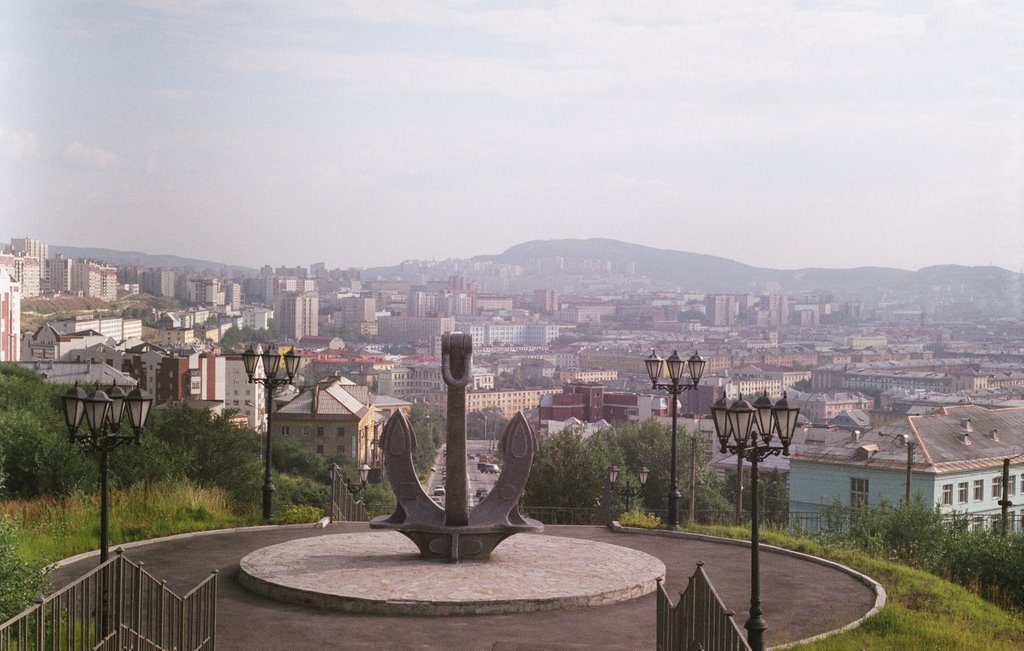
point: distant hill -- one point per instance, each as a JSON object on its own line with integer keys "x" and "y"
{"x": 710, "y": 273}
{"x": 137, "y": 258}
{"x": 971, "y": 287}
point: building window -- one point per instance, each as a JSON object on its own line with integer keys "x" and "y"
{"x": 1011, "y": 486}
{"x": 305, "y": 431}
{"x": 961, "y": 492}
{"x": 858, "y": 493}
{"x": 997, "y": 488}
{"x": 284, "y": 430}
{"x": 947, "y": 494}
{"x": 340, "y": 432}
{"x": 979, "y": 490}
{"x": 319, "y": 432}
{"x": 319, "y": 449}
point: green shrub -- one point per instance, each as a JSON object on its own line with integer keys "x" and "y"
{"x": 21, "y": 581}
{"x": 300, "y": 514}
{"x": 635, "y": 518}
{"x": 378, "y": 499}
{"x": 300, "y": 491}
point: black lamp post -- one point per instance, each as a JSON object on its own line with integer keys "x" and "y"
{"x": 734, "y": 427}
{"x": 674, "y": 366}
{"x": 628, "y": 491}
{"x": 271, "y": 361}
{"x": 103, "y": 412}
{"x": 355, "y": 489}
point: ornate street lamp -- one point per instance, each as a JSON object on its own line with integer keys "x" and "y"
{"x": 747, "y": 431}
{"x": 628, "y": 491}
{"x": 271, "y": 362}
{"x": 355, "y": 489}
{"x": 103, "y": 412}
{"x": 673, "y": 366}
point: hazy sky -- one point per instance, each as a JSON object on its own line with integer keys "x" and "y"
{"x": 780, "y": 134}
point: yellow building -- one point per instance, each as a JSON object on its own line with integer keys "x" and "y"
{"x": 335, "y": 417}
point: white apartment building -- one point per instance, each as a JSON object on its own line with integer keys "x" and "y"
{"x": 10, "y": 318}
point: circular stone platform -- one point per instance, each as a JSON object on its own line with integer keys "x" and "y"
{"x": 382, "y": 573}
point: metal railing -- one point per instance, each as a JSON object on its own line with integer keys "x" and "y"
{"x": 117, "y": 605}
{"x": 699, "y": 621}
{"x": 839, "y": 520}
{"x": 344, "y": 507}
{"x": 559, "y": 514}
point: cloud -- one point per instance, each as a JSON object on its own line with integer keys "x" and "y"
{"x": 18, "y": 144}
{"x": 83, "y": 156}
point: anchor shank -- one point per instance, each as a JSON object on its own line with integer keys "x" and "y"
{"x": 458, "y": 355}
{"x": 456, "y": 500}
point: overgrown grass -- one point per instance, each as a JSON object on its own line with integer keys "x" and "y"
{"x": 923, "y": 611}
{"x": 52, "y": 528}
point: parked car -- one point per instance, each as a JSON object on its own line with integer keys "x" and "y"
{"x": 438, "y": 491}
{"x": 481, "y": 493}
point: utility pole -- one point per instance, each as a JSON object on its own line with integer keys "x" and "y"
{"x": 693, "y": 474}
{"x": 1005, "y": 502}
{"x": 910, "y": 463}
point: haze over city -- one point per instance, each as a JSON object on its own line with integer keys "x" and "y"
{"x": 783, "y": 134}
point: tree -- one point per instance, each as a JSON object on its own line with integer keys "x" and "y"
{"x": 650, "y": 444}
{"x": 34, "y": 449}
{"x": 567, "y": 471}
{"x": 196, "y": 445}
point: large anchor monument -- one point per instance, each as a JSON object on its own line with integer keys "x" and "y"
{"x": 455, "y": 532}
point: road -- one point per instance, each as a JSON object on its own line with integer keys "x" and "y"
{"x": 476, "y": 479}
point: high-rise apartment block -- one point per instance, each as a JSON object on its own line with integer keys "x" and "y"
{"x": 25, "y": 270}
{"x": 33, "y": 248}
{"x": 94, "y": 279}
{"x": 296, "y": 315}
{"x": 356, "y": 310}
{"x": 158, "y": 282}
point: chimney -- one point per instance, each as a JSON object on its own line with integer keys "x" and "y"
{"x": 994, "y": 435}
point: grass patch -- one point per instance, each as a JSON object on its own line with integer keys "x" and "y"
{"x": 923, "y": 611}
{"x": 54, "y": 528}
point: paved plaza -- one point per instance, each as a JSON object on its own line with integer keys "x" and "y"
{"x": 800, "y": 597}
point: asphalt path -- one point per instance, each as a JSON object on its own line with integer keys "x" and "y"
{"x": 800, "y": 598}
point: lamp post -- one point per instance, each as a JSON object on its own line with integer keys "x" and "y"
{"x": 674, "y": 367}
{"x": 103, "y": 412}
{"x": 355, "y": 489}
{"x": 734, "y": 427}
{"x": 628, "y": 491}
{"x": 271, "y": 362}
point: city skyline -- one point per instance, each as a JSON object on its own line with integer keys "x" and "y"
{"x": 783, "y": 136}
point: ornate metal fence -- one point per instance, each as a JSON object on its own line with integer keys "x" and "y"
{"x": 117, "y": 605}
{"x": 700, "y": 621}
{"x": 344, "y": 507}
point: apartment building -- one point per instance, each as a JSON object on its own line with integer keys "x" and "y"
{"x": 10, "y": 318}
{"x": 508, "y": 402}
{"x": 412, "y": 330}
{"x": 296, "y": 315}
{"x": 334, "y": 417}
{"x": 94, "y": 279}
{"x": 25, "y": 270}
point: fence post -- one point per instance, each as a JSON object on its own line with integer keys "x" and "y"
{"x": 40, "y": 622}
{"x": 213, "y": 611}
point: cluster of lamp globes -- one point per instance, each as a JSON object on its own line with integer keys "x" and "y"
{"x": 103, "y": 411}
{"x": 271, "y": 362}
{"x": 734, "y": 424}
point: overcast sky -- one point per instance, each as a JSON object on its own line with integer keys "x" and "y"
{"x": 779, "y": 134}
